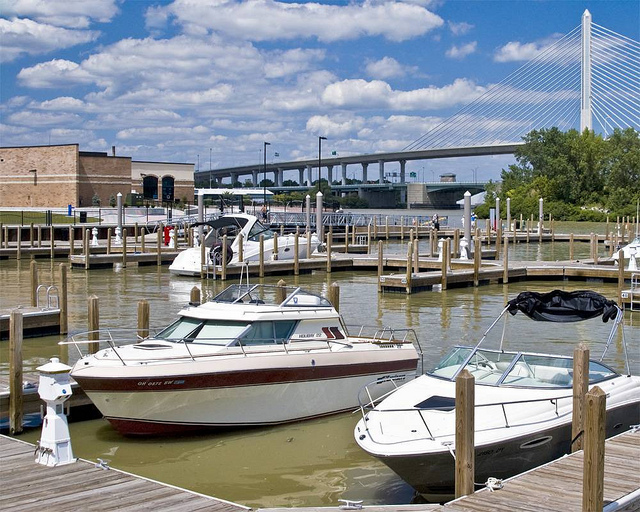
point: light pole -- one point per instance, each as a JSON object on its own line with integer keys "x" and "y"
{"x": 264, "y": 179}
{"x": 210, "y": 174}
{"x": 320, "y": 139}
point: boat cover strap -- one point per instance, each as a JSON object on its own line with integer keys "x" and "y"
{"x": 562, "y": 306}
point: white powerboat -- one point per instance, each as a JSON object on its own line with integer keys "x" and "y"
{"x": 189, "y": 261}
{"x": 245, "y": 358}
{"x": 629, "y": 250}
{"x": 523, "y": 403}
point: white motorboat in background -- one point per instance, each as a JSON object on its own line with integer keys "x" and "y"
{"x": 189, "y": 261}
{"x": 245, "y": 358}
{"x": 523, "y": 402}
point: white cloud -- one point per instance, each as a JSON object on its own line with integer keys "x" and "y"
{"x": 335, "y": 126}
{"x": 265, "y": 20}
{"x": 44, "y": 119}
{"x": 460, "y": 52}
{"x": 387, "y": 67}
{"x": 70, "y": 13}
{"x": 55, "y": 73}
{"x": 459, "y": 29}
{"x": 377, "y": 94}
{"x": 515, "y": 51}
{"x": 24, "y": 36}
{"x": 151, "y": 133}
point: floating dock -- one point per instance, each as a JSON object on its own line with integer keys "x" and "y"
{"x": 37, "y": 321}
{"x": 85, "y": 485}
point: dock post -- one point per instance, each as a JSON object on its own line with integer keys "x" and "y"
{"x": 34, "y": 283}
{"x": 195, "y": 296}
{"x": 296, "y": 257}
{"x": 72, "y": 235}
{"x": 32, "y": 236}
{"x": 94, "y": 323}
{"x": 261, "y": 257}
{"x": 505, "y": 260}
{"x": 477, "y": 256}
{"x": 225, "y": 244}
{"x": 124, "y": 248}
{"x": 402, "y": 228}
{"x": 281, "y": 291}
{"x": 64, "y": 311}
{"x": 521, "y": 225}
{"x": 416, "y": 256}
{"x": 408, "y": 271}
{"x": 380, "y": 264}
{"x": 274, "y": 254}
{"x": 240, "y": 248}
{"x": 159, "y": 246}
{"x": 19, "y": 240}
{"x": 329, "y": 243}
{"x": 109, "y": 240}
{"x": 353, "y": 235}
{"x": 6, "y": 237}
{"x": 368, "y": 238}
{"x": 580, "y": 388}
{"x": 135, "y": 233}
{"x": 85, "y": 241}
{"x": 334, "y": 295}
{"x": 595, "y": 248}
{"x": 375, "y": 227}
{"x": 431, "y": 251}
{"x": 346, "y": 238}
{"x": 445, "y": 262}
{"x": 571, "y": 247}
{"x": 465, "y": 430}
{"x": 143, "y": 318}
{"x": 53, "y": 245}
{"x": 15, "y": 372}
{"x": 498, "y": 240}
{"x": 203, "y": 262}
{"x": 456, "y": 243}
{"x": 594, "y": 433}
{"x": 386, "y": 227}
{"x": 620, "y": 274}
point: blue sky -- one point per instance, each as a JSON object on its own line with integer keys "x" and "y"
{"x": 194, "y": 81}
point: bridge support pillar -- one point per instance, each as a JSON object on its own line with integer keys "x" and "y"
{"x": 234, "y": 178}
{"x": 301, "y": 175}
{"x": 329, "y": 174}
{"x": 364, "y": 172}
{"x": 254, "y": 175}
{"x": 403, "y": 164}
{"x": 381, "y": 167}
{"x": 344, "y": 173}
{"x": 310, "y": 175}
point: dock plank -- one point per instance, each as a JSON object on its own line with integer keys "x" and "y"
{"x": 83, "y": 486}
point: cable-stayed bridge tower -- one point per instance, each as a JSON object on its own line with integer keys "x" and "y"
{"x": 589, "y": 78}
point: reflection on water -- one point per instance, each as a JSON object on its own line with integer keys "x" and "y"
{"x": 306, "y": 464}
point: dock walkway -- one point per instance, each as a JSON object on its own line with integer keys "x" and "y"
{"x": 86, "y": 486}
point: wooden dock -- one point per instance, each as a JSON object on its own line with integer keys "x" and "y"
{"x": 83, "y": 485}
{"x": 554, "y": 487}
{"x": 37, "y": 321}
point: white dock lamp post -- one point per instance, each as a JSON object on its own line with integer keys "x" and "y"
{"x": 264, "y": 179}
{"x": 54, "y": 387}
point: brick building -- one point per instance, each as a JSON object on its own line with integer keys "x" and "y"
{"x": 56, "y": 176}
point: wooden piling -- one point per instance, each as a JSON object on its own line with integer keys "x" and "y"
{"x": 63, "y": 299}
{"x": 142, "y": 242}
{"x": 329, "y": 243}
{"x": 594, "y": 437}
{"x": 386, "y": 228}
{"x": 595, "y": 248}
{"x": 195, "y": 296}
{"x": 6, "y": 237}
{"x": 334, "y": 295}
{"x": 261, "y": 271}
{"x": 93, "y": 317}
{"x": 86, "y": 250}
{"x": 445, "y": 262}
{"x": 109, "y": 235}
{"x": 408, "y": 271}
{"x": 368, "y": 238}
{"x": 416, "y": 256}
{"x": 19, "y": 243}
{"x": 477, "y": 256}
{"x": 274, "y": 254}
{"x": 124, "y": 248}
{"x": 72, "y": 235}
{"x": 296, "y": 258}
{"x": 53, "y": 244}
{"x": 225, "y": 245}
{"x": 580, "y": 388}
{"x": 159, "y": 246}
{"x": 505, "y": 260}
{"x": 620, "y": 274}
{"x": 135, "y": 233}
{"x": 34, "y": 283}
{"x": 143, "y": 319}
{"x": 465, "y": 430}
{"x": 281, "y": 291}
{"x": 15, "y": 372}
{"x": 380, "y": 263}
{"x": 571, "y": 247}
{"x": 401, "y": 228}
{"x": 498, "y": 240}
{"x": 240, "y": 248}
{"x": 456, "y": 243}
{"x": 346, "y": 238}
{"x": 31, "y": 235}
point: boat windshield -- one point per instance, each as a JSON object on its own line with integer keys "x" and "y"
{"x": 499, "y": 368}
{"x": 258, "y": 229}
{"x": 193, "y": 330}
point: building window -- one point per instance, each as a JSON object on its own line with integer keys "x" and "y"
{"x": 150, "y": 187}
{"x": 167, "y": 188}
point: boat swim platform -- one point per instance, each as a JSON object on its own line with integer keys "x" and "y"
{"x": 553, "y": 487}
{"x": 85, "y": 485}
{"x": 36, "y": 321}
